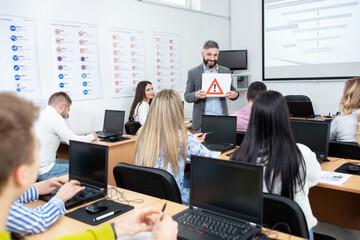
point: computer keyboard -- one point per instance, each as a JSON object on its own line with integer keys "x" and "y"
{"x": 212, "y": 224}
{"x": 216, "y": 146}
{"x": 87, "y": 192}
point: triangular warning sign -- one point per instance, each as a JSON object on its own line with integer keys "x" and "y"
{"x": 215, "y": 88}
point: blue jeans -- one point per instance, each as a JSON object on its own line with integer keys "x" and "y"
{"x": 56, "y": 171}
{"x": 311, "y": 235}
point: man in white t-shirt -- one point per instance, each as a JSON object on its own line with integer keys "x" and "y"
{"x": 51, "y": 128}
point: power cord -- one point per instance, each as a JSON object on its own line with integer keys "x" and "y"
{"x": 115, "y": 195}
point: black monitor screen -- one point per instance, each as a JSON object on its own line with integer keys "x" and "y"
{"x": 221, "y": 128}
{"x": 88, "y": 163}
{"x": 233, "y": 59}
{"x": 313, "y": 134}
{"x": 114, "y": 120}
{"x": 227, "y": 187}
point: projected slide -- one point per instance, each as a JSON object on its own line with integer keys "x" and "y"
{"x": 307, "y": 39}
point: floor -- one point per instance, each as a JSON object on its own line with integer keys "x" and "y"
{"x": 337, "y": 232}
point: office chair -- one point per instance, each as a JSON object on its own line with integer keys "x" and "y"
{"x": 151, "y": 181}
{"x": 278, "y": 209}
{"x": 132, "y": 127}
{"x": 344, "y": 150}
{"x": 239, "y": 137}
{"x": 297, "y": 98}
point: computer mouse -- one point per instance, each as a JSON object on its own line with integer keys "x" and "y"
{"x": 114, "y": 139}
{"x": 95, "y": 208}
{"x": 353, "y": 168}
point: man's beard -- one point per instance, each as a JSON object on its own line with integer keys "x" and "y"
{"x": 208, "y": 65}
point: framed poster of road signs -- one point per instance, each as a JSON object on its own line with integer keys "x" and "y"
{"x": 216, "y": 85}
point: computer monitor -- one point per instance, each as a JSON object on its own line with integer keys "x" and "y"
{"x": 222, "y": 128}
{"x": 114, "y": 121}
{"x": 231, "y": 188}
{"x": 88, "y": 163}
{"x": 313, "y": 134}
{"x": 233, "y": 59}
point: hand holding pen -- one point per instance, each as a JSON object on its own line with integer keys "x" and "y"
{"x": 201, "y": 136}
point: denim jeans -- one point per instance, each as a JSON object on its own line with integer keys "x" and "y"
{"x": 311, "y": 234}
{"x": 56, "y": 171}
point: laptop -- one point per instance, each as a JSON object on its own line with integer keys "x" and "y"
{"x": 301, "y": 109}
{"x": 113, "y": 124}
{"x": 222, "y": 193}
{"x": 222, "y": 131}
{"x": 88, "y": 163}
{"x": 313, "y": 134}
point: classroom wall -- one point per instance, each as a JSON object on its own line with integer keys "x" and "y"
{"x": 87, "y": 115}
{"x": 246, "y": 33}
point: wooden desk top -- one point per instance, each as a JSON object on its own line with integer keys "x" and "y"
{"x": 173, "y": 208}
{"x": 65, "y": 225}
{"x": 110, "y": 144}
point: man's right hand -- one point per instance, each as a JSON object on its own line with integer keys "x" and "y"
{"x": 200, "y": 94}
{"x": 69, "y": 189}
{"x": 166, "y": 229}
{"x": 94, "y": 134}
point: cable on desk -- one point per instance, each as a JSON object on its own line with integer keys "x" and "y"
{"x": 115, "y": 194}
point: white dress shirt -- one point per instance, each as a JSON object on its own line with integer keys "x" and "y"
{"x": 51, "y": 128}
{"x": 141, "y": 112}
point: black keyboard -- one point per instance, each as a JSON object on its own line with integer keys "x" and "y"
{"x": 87, "y": 192}
{"x": 216, "y": 146}
{"x": 212, "y": 224}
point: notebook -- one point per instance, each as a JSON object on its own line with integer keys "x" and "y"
{"x": 222, "y": 131}
{"x": 113, "y": 124}
{"x": 88, "y": 163}
{"x": 301, "y": 109}
{"x": 313, "y": 134}
{"x": 222, "y": 193}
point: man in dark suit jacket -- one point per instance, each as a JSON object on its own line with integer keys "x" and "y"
{"x": 194, "y": 94}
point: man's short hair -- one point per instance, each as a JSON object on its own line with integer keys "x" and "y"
{"x": 59, "y": 97}
{"x": 210, "y": 44}
{"x": 17, "y": 143}
{"x": 254, "y": 89}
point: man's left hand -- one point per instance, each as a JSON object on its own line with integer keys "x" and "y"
{"x": 47, "y": 186}
{"x": 231, "y": 95}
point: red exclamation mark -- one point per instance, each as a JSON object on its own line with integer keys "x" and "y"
{"x": 214, "y": 87}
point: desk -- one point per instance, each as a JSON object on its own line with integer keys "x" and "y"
{"x": 65, "y": 225}
{"x": 338, "y": 205}
{"x": 123, "y": 151}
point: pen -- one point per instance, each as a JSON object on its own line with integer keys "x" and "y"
{"x": 106, "y": 215}
{"x": 205, "y": 134}
{"x": 162, "y": 211}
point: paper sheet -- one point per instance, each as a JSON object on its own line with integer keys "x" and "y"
{"x": 333, "y": 178}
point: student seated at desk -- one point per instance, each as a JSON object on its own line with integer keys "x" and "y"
{"x": 25, "y": 220}
{"x": 141, "y": 104}
{"x": 19, "y": 151}
{"x": 51, "y": 128}
{"x": 164, "y": 141}
{"x": 243, "y": 115}
{"x": 290, "y": 169}
{"x": 346, "y": 127}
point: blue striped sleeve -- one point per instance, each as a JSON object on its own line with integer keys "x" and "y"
{"x": 30, "y": 195}
{"x": 24, "y": 220}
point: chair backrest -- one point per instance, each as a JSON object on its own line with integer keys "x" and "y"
{"x": 297, "y": 98}
{"x": 278, "y": 209}
{"x": 344, "y": 150}
{"x": 132, "y": 127}
{"x": 151, "y": 181}
{"x": 239, "y": 137}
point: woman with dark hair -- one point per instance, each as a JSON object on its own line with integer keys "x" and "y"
{"x": 290, "y": 168}
{"x": 140, "y": 106}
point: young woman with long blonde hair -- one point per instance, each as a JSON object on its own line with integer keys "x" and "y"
{"x": 346, "y": 127}
{"x": 164, "y": 141}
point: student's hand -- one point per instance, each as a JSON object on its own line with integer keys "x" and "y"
{"x": 166, "y": 229}
{"x": 231, "y": 95}
{"x": 200, "y": 136}
{"x": 140, "y": 221}
{"x": 69, "y": 189}
{"x": 47, "y": 186}
{"x": 94, "y": 134}
{"x": 200, "y": 94}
